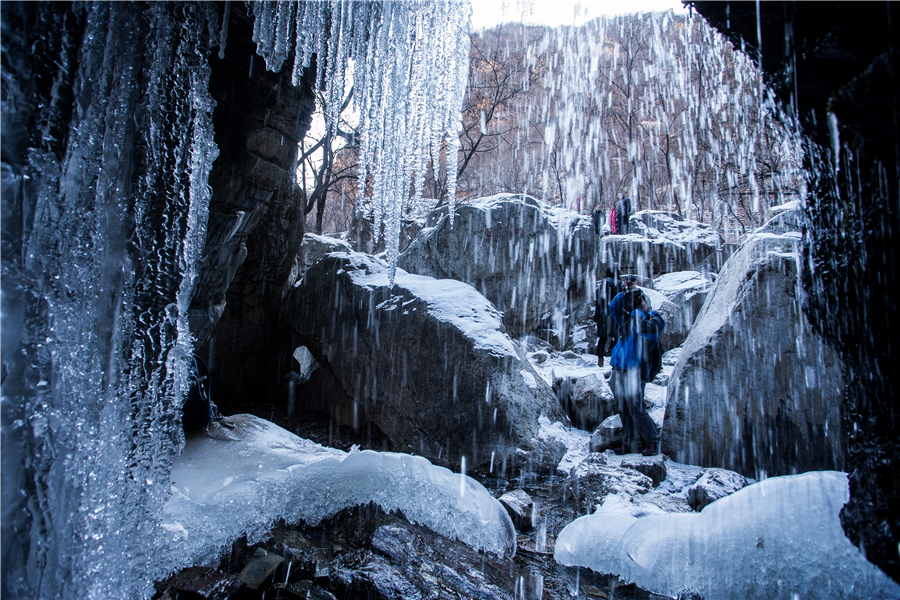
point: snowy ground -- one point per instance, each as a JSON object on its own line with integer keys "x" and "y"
{"x": 777, "y": 538}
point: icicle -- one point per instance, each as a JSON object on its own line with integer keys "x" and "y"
{"x": 410, "y": 72}
{"x": 223, "y": 36}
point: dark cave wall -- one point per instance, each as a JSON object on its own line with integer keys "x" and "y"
{"x": 255, "y": 223}
{"x": 840, "y": 58}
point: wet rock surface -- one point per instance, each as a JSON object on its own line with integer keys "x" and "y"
{"x": 438, "y": 375}
{"x": 754, "y": 389}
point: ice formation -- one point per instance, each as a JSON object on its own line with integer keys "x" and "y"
{"x": 99, "y": 282}
{"x": 410, "y": 67}
{"x": 779, "y": 538}
{"x": 239, "y": 481}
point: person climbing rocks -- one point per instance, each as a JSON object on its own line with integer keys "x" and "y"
{"x": 606, "y": 290}
{"x": 623, "y": 213}
{"x": 639, "y": 330}
{"x": 597, "y": 217}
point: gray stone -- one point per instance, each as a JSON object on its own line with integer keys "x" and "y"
{"x": 427, "y": 362}
{"x": 206, "y": 582}
{"x": 653, "y": 467}
{"x": 313, "y": 248}
{"x": 712, "y": 485}
{"x": 607, "y": 435}
{"x": 519, "y": 506}
{"x": 754, "y": 389}
{"x": 396, "y": 543}
{"x": 659, "y": 243}
{"x": 593, "y": 479}
{"x": 261, "y": 566}
{"x": 589, "y": 402}
{"x": 307, "y": 590}
{"x": 685, "y": 289}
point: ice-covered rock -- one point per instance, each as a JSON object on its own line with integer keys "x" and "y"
{"x": 754, "y": 389}
{"x": 528, "y": 259}
{"x": 685, "y": 289}
{"x": 779, "y": 538}
{"x": 239, "y": 481}
{"x": 427, "y": 361}
{"x": 607, "y": 435}
{"x": 659, "y": 243}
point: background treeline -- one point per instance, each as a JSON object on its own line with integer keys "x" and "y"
{"x": 657, "y": 107}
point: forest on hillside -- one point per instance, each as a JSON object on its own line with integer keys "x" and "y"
{"x": 656, "y": 107}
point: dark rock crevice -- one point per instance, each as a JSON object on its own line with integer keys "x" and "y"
{"x": 255, "y": 221}
{"x": 838, "y": 58}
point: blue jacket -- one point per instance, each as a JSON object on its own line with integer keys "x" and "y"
{"x": 640, "y": 332}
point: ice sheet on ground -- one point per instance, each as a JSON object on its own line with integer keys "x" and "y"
{"x": 240, "y": 481}
{"x": 448, "y": 300}
{"x": 774, "y": 539}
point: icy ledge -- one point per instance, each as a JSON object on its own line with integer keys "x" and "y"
{"x": 779, "y": 538}
{"x": 239, "y": 481}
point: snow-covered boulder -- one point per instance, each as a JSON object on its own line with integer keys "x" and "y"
{"x": 608, "y": 434}
{"x": 677, "y": 323}
{"x": 780, "y": 538}
{"x": 313, "y": 248}
{"x": 528, "y": 259}
{"x": 712, "y": 485}
{"x": 427, "y": 361}
{"x": 593, "y": 479}
{"x": 754, "y": 389}
{"x": 659, "y": 243}
{"x": 239, "y": 481}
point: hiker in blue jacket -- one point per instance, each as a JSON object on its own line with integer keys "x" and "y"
{"x": 639, "y": 330}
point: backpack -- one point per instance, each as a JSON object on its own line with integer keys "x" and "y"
{"x": 612, "y": 220}
{"x": 655, "y": 363}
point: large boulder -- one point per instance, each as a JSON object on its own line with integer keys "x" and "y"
{"x": 677, "y": 323}
{"x": 660, "y": 242}
{"x": 530, "y": 260}
{"x": 426, "y": 361}
{"x": 754, "y": 389}
{"x": 313, "y": 248}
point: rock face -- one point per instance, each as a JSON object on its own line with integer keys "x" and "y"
{"x": 255, "y": 221}
{"x": 839, "y": 62}
{"x": 687, "y": 289}
{"x": 428, "y": 362}
{"x": 527, "y": 259}
{"x": 313, "y": 248}
{"x": 754, "y": 390}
